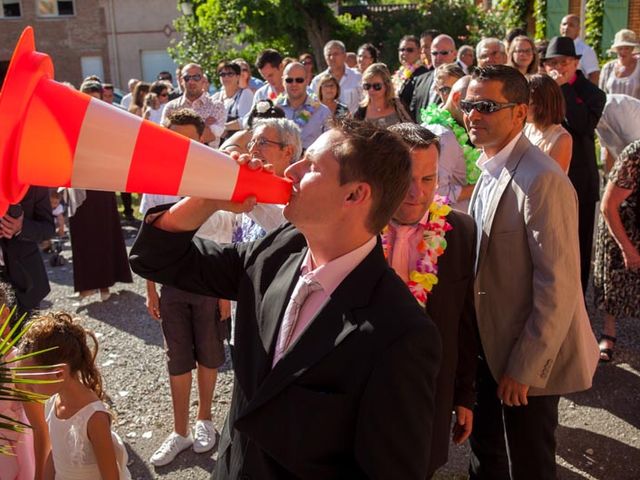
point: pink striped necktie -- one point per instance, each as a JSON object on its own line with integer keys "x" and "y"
{"x": 301, "y": 292}
{"x": 401, "y": 248}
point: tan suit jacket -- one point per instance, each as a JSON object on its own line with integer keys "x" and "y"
{"x": 530, "y": 309}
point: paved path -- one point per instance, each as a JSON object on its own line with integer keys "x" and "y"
{"x": 598, "y": 439}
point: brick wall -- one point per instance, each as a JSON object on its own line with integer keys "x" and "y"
{"x": 64, "y": 39}
{"x": 634, "y": 15}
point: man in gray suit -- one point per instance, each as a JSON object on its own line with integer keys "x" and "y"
{"x": 537, "y": 343}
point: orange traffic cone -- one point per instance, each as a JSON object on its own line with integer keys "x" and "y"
{"x": 51, "y": 135}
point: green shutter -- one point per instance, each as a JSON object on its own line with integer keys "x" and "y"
{"x": 556, "y": 9}
{"x": 616, "y": 15}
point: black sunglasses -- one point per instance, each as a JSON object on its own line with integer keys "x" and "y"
{"x": 483, "y": 106}
{"x": 196, "y": 78}
{"x": 376, "y": 86}
{"x": 435, "y": 53}
{"x": 407, "y": 49}
{"x": 227, "y": 74}
{"x": 445, "y": 90}
{"x": 297, "y": 80}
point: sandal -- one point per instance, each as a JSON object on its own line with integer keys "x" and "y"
{"x": 606, "y": 354}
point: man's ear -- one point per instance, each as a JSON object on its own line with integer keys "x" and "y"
{"x": 359, "y": 193}
{"x": 456, "y": 97}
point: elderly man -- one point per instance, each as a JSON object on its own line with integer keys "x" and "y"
{"x": 537, "y": 342}
{"x": 308, "y": 113}
{"x": 443, "y": 50}
{"x": 196, "y": 98}
{"x": 323, "y": 325}
{"x": 466, "y": 58}
{"x": 570, "y": 27}
{"x": 491, "y": 51}
{"x": 349, "y": 79}
{"x": 411, "y": 68}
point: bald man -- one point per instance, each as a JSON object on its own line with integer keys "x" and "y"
{"x": 570, "y": 27}
{"x": 311, "y": 116}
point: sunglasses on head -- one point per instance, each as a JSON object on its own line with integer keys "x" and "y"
{"x": 483, "y": 106}
{"x": 376, "y": 86}
{"x": 407, "y": 49}
{"x": 227, "y": 74}
{"x": 196, "y": 78}
{"x": 435, "y": 53}
{"x": 291, "y": 80}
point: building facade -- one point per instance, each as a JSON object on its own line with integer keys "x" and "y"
{"x": 114, "y": 39}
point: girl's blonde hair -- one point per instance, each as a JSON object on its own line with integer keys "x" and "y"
{"x": 61, "y": 331}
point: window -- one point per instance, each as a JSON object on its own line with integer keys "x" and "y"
{"x": 54, "y": 8}
{"x": 10, "y": 9}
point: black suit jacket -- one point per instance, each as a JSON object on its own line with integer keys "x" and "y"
{"x": 25, "y": 269}
{"x": 585, "y": 104}
{"x": 421, "y": 93}
{"x": 451, "y": 307}
{"x": 408, "y": 87}
{"x": 353, "y": 398}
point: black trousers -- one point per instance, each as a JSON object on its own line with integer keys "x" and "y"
{"x": 512, "y": 443}
{"x": 586, "y": 221}
{"x": 126, "y": 203}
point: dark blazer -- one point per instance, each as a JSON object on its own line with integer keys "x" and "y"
{"x": 585, "y": 104}
{"x": 25, "y": 268}
{"x": 451, "y": 307}
{"x": 421, "y": 92}
{"x": 353, "y": 397}
{"x": 406, "y": 91}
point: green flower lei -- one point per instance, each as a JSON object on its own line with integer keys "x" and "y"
{"x": 437, "y": 115}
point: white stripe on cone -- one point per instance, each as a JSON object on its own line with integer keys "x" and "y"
{"x": 105, "y": 148}
{"x": 208, "y": 173}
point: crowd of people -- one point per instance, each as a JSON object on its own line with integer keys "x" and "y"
{"x": 432, "y": 262}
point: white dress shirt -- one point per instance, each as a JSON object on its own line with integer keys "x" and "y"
{"x": 589, "y": 61}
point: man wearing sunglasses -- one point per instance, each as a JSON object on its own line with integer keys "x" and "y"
{"x": 411, "y": 68}
{"x": 443, "y": 51}
{"x": 536, "y": 339}
{"x": 196, "y": 98}
{"x": 307, "y": 113}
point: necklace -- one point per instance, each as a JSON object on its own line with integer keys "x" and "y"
{"x": 433, "y": 244}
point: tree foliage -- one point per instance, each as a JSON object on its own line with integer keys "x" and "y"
{"x": 224, "y": 29}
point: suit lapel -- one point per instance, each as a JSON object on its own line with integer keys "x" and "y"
{"x": 503, "y": 181}
{"x": 328, "y": 329}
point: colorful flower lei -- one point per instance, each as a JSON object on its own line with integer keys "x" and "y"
{"x": 404, "y": 73}
{"x": 433, "y": 244}
{"x": 438, "y": 115}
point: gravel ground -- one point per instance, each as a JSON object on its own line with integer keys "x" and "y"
{"x": 599, "y": 435}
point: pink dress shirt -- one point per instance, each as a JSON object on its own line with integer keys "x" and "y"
{"x": 329, "y": 276}
{"x": 413, "y": 241}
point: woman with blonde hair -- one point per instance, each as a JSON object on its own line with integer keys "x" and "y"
{"x": 137, "y": 101}
{"x": 523, "y": 55}
{"x": 546, "y": 113}
{"x": 380, "y": 104}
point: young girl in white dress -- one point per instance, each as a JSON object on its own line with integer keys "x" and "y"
{"x": 82, "y": 443}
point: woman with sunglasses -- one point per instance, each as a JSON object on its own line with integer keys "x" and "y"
{"x": 306, "y": 59}
{"x": 328, "y": 93}
{"x": 546, "y": 113}
{"x": 523, "y": 55}
{"x": 153, "y": 108}
{"x": 237, "y": 100}
{"x": 445, "y": 77}
{"x": 246, "y": 80}
{"x": 380, "y": 104}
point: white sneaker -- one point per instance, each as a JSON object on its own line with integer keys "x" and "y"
{"x": 170, "y": 448}
{"x": 205, "y": 436}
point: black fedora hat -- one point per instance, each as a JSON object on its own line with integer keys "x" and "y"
{"x": 561, "y": 47}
